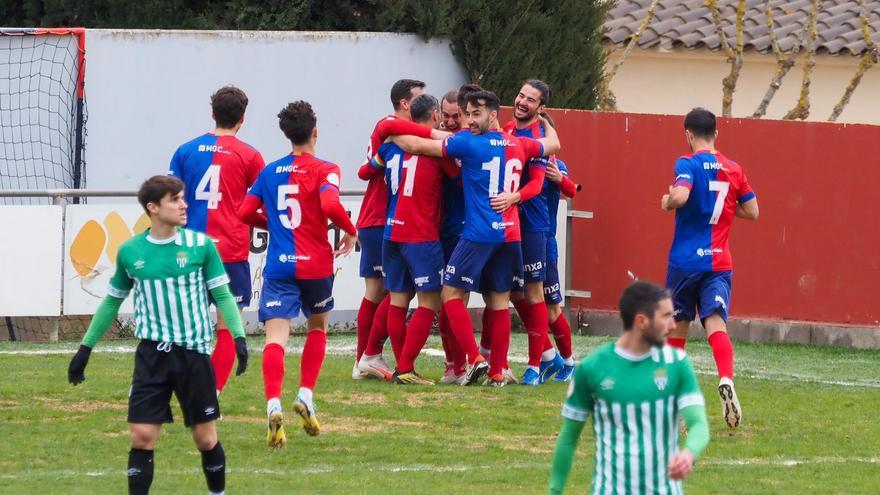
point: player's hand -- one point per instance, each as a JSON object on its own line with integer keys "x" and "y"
{"x": 552, "y": 173}
{"x": 504, "y": 200}
{"x": 664, "y": 201}
{"x": 76, "y": 372}
{"x": 680, "y": 465}
{"x": 345, "y": 245}
{"x": 241, "y": 354}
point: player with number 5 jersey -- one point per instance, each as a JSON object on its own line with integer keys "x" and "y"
{"x": 708, "y": 191}
{"x": 217, "y": 169}
{"x": 488, "y": 257}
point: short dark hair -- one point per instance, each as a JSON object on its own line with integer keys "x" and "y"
{"x": 464, "y": 91}
{"x": 156, "y": 187}
{"x": 451, "y": 96}
{"x": 228, "y": 105}
{"x": 297, "y": 121}
{"x": 542, "y": 88}
{"x": 640, "y": 297}
{"x": 422, "y": 106}
{"x": 484, "y": 98}
{"x": 402, "y": 90}
{"x": 701, "y": 123}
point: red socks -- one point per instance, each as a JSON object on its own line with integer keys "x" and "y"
{"x": 485, "y": 330}
{"x": 562, "y": 336}
{"x": 454, "y": 356}
{"x": 397, "y": 329}
{"x": 273, "y": 370}
{"x": 676, "y": 342}
{"x": 460, "y": 323}
{"x": 499, "y": 322}
{"x": 379, "y": 330}
{"x": 536, "y": 326}
{"x": 416, "y": 335}
{"x": 364, "y": 323}
{"x": 722, "y": 350}
{"x": 312, "y": 358}
{"x": 223, "y": 357}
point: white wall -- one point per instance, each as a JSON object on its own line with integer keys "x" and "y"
{"x": 149, "y": 91}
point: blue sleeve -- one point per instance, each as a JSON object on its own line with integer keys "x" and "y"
{"x": 457, "y": 146}
{"x": 562, "y": 168}
{"x": 176, "y": 166}
{"x": 684, "y": 176}
{"x": 257, "y": 188}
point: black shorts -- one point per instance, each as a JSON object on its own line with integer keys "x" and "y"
{"x": 159, "y": 369}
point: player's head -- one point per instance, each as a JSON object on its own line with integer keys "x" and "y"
{"x": 425, "y": 110}
{"x": 463, "y": 91}
{"x": 228, "y": 105}
{"x": 403, "y": 92}
{"x": 482, "y": 111}
{"x": 646, "y": 308}
{"x": 161, "y": 196}
{"x": 298, "y": 123}
{"x": 699, "y": 125}
{"x": 533, "y": 97}
{"x": 450, "y": 112}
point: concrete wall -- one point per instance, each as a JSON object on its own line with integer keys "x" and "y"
{"x": 651, "y": 81}
{"x": 149, "y": 91}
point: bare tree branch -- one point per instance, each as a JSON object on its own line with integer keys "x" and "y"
{"x": 734, "y": 54}
{"x": 869, "y": 59}
{"x": 802, "y": 109}
{"x": 607, "y": 100}
{"x": 784, "y": 62}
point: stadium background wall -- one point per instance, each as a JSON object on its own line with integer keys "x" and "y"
{"x": 813, "y": 254}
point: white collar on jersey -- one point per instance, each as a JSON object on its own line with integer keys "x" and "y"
{"x": 630, "y": 356}
{"x": 171, "y": 239}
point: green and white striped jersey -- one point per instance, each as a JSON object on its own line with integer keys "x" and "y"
{"x": 171, "y": 279}
{"x": 635, "y": 402}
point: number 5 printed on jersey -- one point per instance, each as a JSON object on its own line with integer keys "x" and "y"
{"x": 292, "y": 212}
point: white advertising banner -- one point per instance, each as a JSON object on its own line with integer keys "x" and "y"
{"x": 30, "y": 260}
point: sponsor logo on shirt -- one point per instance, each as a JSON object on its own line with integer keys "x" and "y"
{"x": 661, "y": 378}
{"x": 607, "y": 384}
{"x": 708, "y": 252}
{"x": 286, "y": 169}
{"x": 713, "y": 166}
{"x": 273, "y": 304}
{"x": 213, "y": 148}
{"x": 394, "y": 221}
{"x": 500, "y": 142}
{"x": 139, "y": 264}
{"x": 683, "y": 176}
{"x": 501, "y": 225}
{"x": 290, "y": 258}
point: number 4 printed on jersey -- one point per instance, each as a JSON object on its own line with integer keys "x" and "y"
{"x": 209, "y": 187}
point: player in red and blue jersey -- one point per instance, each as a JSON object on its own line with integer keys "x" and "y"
{"x": 299, "y": 194}
{"x": 412, "y": 257}
{"x": 373, "y": 312}
{"x": 488, "y": 255}
{"x": 709, "y": 190}
{"x": 217, "y": 169}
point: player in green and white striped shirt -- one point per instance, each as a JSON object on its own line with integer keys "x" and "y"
{"x": 636, "y": 389}
{"x": 171, "y": 270}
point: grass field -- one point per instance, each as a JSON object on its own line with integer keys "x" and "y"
{"x": 810, "y": 426}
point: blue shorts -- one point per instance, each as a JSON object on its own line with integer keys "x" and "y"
{"x": 691, "y": 290}
{"x": 285, "y": 298}
{"x": 371, "y": 251}
{"x": 485, "y": 267}
{"x": 534, "y": 253}
{"x": 412, "y": 266}
{"x": 552, "y": 287}
{"x": 449, "y": 244}
{"x": 239, "y": 274}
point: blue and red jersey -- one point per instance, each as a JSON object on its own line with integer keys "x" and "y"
{"x": 453, "y": 204}
{"x": 414, "y": 193}
{"x": 373, "y": 208}
{"x": 533, "y": 213}
{"x": 491, "y": 163}
{"x": 702, "y": 225}
{"x": 290, "y": 193}
{"x": 217, "y": 172}
{"x": 551, "y": 194}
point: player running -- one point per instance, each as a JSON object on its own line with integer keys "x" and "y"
{"x": 412, "y": 256}
{"x": 217, "y": 169}
{"x": 636, "y": 388}
{"x": 488, "y": 256}
{"x": 373, "y": 313}
{"x": 171, "y": 269}
{"x": 709, "y": 190}
{"x": 299, "y": 193}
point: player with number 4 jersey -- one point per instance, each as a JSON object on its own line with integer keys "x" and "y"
{"x": 708, "y": 191}
{"x": 217, "y": 169}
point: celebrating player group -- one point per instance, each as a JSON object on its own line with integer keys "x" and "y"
{"x": 456, "y": 202}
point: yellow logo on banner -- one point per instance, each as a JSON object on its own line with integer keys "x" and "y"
{"x": 94, "y": 239}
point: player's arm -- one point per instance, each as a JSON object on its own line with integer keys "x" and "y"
{"x": 175, "y": 168}
{"x": 574, "y": 416}
{"x": 559, "y": 176}
{"x": 419, "y": 146}
{"x": 397, "y": 127}
{"x": 692, "y": 407}
{"x": 680, "y": 190}
{"x": 450, "y": 168}
{"x": 505, "y": 200}
{"x": 108, "y": 310}
{"x": 332, "y": 207}
{"x": 747, "y": 201}
{"x": 550, "y": 142}
{"x": 218, "y": 285}
{"x": 249, "y": 211}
